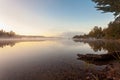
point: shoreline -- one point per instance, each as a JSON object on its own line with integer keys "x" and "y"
{"x": 93, "y": 39}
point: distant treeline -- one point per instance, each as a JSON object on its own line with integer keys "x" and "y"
{"x": 11, "y": 34}
{"x": 111, "y": 32}
{"x": 4, "y": 34}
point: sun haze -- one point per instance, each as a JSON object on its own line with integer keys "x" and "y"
{"x": 50, "y": 17}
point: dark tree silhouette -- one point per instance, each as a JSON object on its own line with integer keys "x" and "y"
{"x": 96, "y": 32}
{"x": 7, "y": 34}
{"x": 108, "y": 6}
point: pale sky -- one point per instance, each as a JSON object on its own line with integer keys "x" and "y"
{"x": 50, "y": 17}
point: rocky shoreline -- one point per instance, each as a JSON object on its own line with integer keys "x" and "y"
{"x": 110, "y": 72}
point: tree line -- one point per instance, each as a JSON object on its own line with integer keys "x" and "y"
{"x": 111, "y": 32}
{"x": 113, "y": 29}
{"x": 7, "y": 34}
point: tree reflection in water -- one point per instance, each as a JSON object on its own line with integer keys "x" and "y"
{"x": 98, "y": 45}
{"x": 11, "y": 43}
{"x": 7, "y": 43}
{"x": 111, "y": 71}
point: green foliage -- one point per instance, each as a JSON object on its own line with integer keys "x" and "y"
{"x": 113, "y": 31}
{"x": 81, "y": 36}
{"x": 96, "y": 32}
{"x": 108, "y": 6}
{"x": 7, "y": 34}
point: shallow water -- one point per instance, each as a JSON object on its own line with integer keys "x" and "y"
{"x": 48, "y": 59}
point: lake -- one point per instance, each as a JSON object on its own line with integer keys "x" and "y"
{"x": 50, "y": 59}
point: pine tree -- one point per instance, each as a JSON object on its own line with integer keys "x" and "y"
{"x": 108, "y": 6}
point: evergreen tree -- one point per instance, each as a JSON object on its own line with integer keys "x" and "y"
{"x": 108, "y": 6}
{"x": 96, "y": 32}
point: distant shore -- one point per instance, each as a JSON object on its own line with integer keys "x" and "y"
{"x": 94, "y": 39}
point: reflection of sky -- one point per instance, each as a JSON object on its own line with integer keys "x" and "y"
{"x": 25, "y": 55}
{"x": 50, "y": 17}
{"x": 43, "y": 49}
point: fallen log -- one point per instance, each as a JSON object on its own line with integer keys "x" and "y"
{"x": 101, "y": 59}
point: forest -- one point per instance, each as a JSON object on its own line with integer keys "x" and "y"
{"x": 5, "y": 34}
{"x": 111, "y": 32}
{"x": 113, "y": 29}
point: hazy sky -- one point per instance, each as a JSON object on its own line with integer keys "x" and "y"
{"x": 50, "y": 17}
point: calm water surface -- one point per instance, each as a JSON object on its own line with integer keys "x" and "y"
{"x": 48, "y": 59}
